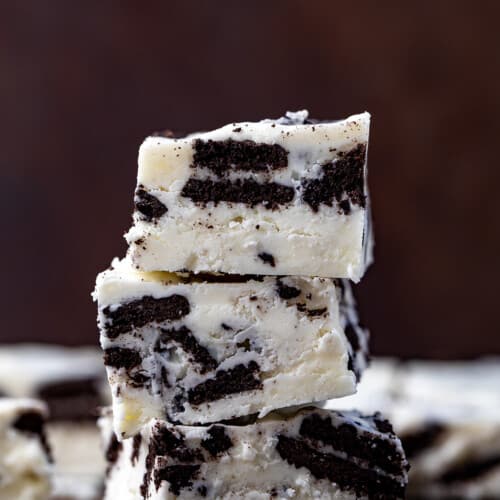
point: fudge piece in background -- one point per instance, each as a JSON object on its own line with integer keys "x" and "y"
{"x": 448, "y": 417}
{"x": 72, "y": 382}
{"x": 25, "y": 456}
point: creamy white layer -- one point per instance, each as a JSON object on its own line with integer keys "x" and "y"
{"x": 234, "y": 349}
{"x": 328, "y": 237}
{"x": 25, "y": 468}
{"x": 256, "y": 460}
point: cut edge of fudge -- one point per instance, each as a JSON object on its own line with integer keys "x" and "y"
{"x": 161, "y": 320}
{"x": 248, "y": 165}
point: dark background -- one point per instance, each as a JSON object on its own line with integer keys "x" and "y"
{"x": 82, "y": 83}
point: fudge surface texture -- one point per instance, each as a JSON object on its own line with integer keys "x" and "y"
{"x": 275, "y": 197}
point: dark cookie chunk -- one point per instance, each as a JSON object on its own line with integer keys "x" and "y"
{"x": 311, "y": 312}
{"x": 138, "y": 313}
{"x": 270, "y": 195}
{"x": 241, "y": 378}
{"x": 347, "y": 475}
{"x": 346, "y": 438}
{"x": 164, "y": 442}
{"x": 148, "y": 205}
{"x": 178, "y": 477}
{"x": 136, "y": 448}
{"x": 352, "y": 336}
{"x": 72, "y": 399}
{"x": 383, "y": 425}
{"x": 32, "y": 422}
{"x": 184, "y": 337}
{"x": 470, "y": 470}
{"x": 316, "y": 312}
{"x": 138, "y": 379}
{"x": 202, "y": 490}
{"x": 342, "y": 178}
{"x": 286, "y": 292}
{"x": 121, "y": 357}
{"x": 113, "y": 452}
{"x": 267, "y": 258}
{"x": 221, "y": 156}
{"x": 416, "y": 442}
{"x": 218, "y": 442}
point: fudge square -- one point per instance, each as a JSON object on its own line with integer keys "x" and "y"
{"x": 310, "y": 453}
{"x": 197, "y": 349}
{"x": 275, "y": 197}
{"x": 25, "y": 457}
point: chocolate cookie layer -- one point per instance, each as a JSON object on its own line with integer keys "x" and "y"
{"x": 269, "y": 195}
{"x": 221, "y": 156}
{"x": 138, "y": 313}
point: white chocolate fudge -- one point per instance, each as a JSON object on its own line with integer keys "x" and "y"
{"x": 302, "y": 455}
{"x": 196, "y": 349}
{"x": 275, "y": 197}
{"x": 25, "y": 459}
{"x": 448, "y": 417}
{"x": 71, "y": 380}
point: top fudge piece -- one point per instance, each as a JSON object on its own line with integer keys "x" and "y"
{"x": 275, "y": 197}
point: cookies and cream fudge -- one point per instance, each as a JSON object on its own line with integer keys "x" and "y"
{"x": 71, "y": 380}
{"x": 275, "y": 197}
{"x": 448, "y": 417}
{"x": 25, "y": 457}
{"x": 310, "y": 453}
{"x": 204, "y": 348}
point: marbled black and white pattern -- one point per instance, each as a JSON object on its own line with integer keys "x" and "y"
{"x": 197, "y": 349}
{"x": 303, "y": 454}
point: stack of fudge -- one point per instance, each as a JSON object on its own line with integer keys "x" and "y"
{"x": 232, "y": 318}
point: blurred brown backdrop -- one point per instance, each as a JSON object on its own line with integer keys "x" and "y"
{"x": 82, "y": 83}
